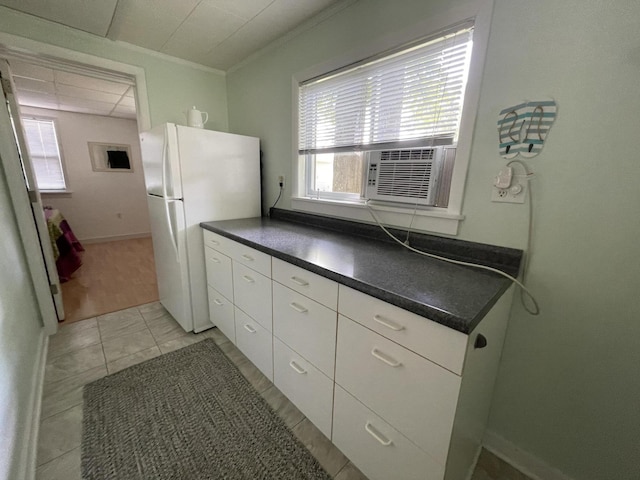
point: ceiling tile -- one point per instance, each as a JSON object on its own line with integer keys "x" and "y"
{"x": 28, "y": 70}
{"x": 149, "y": 23}
{"x": 127, "y": 102}
{"x": 82, "y": 81}
{"x": 81, "y": 103}
{"x": 83, "y": 93}
{"x": 205, "y": 28}
{"x": 90, "y": 16}
{"x": 246, "y": 9}
{"x": 31, "y": 85}
{"x": 32, "y": 99}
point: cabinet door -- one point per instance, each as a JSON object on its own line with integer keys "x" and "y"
{"x": 375, "y": 447}
{"x": 416, "y": 396}
{"x": 306, "y": 326}
{"x": 252, "y": 294}
{"x": 256, "y": 342}
{"x": 252, "y": 258}
{"x": 221, "y": 313}
{"x": 306, "y": 386}
{"x": 438, "y": 343}
{"x": 219, "y": 274}
{"x": 314, "y": 286}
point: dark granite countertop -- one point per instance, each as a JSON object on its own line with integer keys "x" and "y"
{"x": 356, "y": 256}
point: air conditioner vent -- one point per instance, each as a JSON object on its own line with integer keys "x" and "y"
{"x": 409, "y": 179}
{"x": 424, "y": 154}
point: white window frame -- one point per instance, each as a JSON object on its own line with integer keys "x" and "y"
{"x": 432, "y": 219}
{"x": 63, "y": 169}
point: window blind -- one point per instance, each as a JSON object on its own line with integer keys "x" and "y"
{"x": 42, "y": 143}
{"x": 408, "y": 98}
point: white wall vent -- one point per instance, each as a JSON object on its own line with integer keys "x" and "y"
{"x": 404, "y": 176}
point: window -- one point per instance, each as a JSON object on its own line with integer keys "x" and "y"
{"x": 402, "y": 100}
{"x": 44, "y": 151}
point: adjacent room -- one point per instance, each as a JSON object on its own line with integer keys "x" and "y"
{"x": 331, "y": 239}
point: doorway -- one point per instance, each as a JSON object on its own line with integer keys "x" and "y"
{"x": 97, "y": 218}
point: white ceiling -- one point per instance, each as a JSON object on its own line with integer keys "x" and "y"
{"x": 43, "y": 87}
{"x": 215, "y": 33}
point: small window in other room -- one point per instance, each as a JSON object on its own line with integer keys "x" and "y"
{"x": 397, "y": 102}
{"x": 42, "y": 142}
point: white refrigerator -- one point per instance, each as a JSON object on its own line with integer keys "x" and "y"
{"x": 194, "y": 175}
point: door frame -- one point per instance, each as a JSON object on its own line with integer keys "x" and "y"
{"x": 38, "y": 53}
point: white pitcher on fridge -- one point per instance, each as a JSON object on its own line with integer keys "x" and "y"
{"x": 195, "y": 118}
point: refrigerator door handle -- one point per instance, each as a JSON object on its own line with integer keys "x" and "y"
{"x": 174, "y": 241}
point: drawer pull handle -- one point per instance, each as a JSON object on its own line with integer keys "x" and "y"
{"x": 214, "y": 242}
{"x": 383, "y": 357}
{"x": 214, "y": 260}
{"x": 298, "y": 308}
{"x": 249, "y": 328}
{"x": 297, "y": 367}
{"x": 371, "y": 430}
{"x": 299, "y": 281}
{"x": 248, "y": 258}
{"x": 218, "y": 302}
{"x": 248, "y": 279}
{"x": 388, "y": 323}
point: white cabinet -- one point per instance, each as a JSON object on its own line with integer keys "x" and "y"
{"x": 221, "y": 313}
{"x": 306, "y": 326}
{"x": 305, "y": 385}
{"x": 239, "y": 288}
{"x": 402, "y": 396}
{"x": 309, "y": 284}
{"x": 218, "y": 267}
{"x": 255, "y": 342}
{"x": 440, "y": 344}
{"x": 252, "y": 294}
{"x": 375, "y": 447}
{"x": 413, "y": 394}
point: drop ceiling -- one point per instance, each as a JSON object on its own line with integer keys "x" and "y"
{"x": 43, "y": 87}
{"x": 215, "y": 33}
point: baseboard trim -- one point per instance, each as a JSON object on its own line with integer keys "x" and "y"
{"x": 115, "y": 238}
{"x": 28, "y": 460}
{"x": 526, "y": 462}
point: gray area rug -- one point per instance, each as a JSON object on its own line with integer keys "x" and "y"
{"x": 189, "y": 414}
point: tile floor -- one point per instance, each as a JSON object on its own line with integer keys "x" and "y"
{"x": 85, "y": 351}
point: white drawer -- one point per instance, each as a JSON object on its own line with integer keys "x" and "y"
{"x": 221, "y": 313}
{"x": 217, "y": 242}
{"x": 436, "y": 342}
{"x": 219, "y": 271}
{"x": 376, "y": 448}
{"x": 313, "y": 286}
{"x": 252, "y": 293}
{"x": 416, "y": 396}
{"x": 306, "y": 326}
{"x": 255, "y": 259}
{"x": 306, "y": 386}
{"x": 255, "y": 342}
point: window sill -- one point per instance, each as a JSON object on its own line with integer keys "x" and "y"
{"x": 425, "y": 220}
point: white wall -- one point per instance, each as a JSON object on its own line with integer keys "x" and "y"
{"x": 98, "y": 198}
{"x": 568, "y": 392}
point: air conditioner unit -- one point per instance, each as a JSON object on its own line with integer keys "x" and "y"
{"x": 405, "y": 175}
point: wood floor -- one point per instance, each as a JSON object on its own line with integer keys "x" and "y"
{"x": 114, "y": 276}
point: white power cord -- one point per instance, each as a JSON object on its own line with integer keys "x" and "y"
{"x": 523, "y": 289}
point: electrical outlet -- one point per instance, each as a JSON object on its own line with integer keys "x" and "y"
{"x": 515, "y": 193}
{"x": 281, "y": 180}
